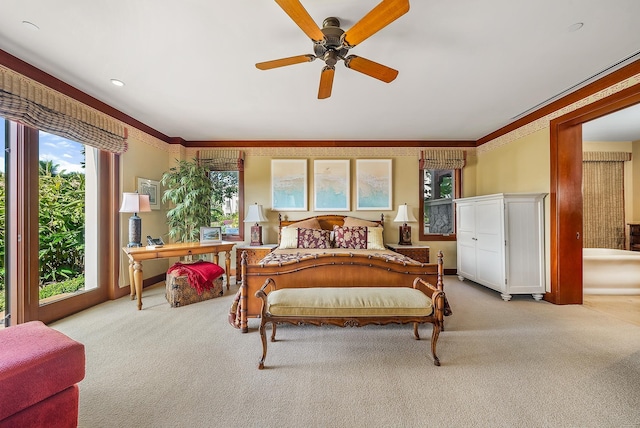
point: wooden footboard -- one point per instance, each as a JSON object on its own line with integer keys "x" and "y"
{"x": 331, "y": 270}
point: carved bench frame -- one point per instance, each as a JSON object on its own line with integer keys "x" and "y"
{"x": 436, "y": 318}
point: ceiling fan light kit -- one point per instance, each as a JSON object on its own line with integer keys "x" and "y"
{"x": 331, "y": 44}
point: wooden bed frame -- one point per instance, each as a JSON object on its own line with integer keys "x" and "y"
{"x": 330, "y": 270}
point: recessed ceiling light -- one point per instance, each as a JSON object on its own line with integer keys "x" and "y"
{"x": 30, "y": 25}
{"x": 576, "y": 27}
{"x": 117, "y": 82}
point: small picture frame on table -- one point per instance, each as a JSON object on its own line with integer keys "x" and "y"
{"x": 210, "y": 235}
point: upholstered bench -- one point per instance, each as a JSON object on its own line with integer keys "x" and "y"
{"x": 352, "y": 306}
{"x": 39, "y": 371}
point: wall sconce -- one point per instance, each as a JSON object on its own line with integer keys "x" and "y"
{"x": 135, "y": 203}
{"x": 254, "y": 215}
{"x": 404, "y": 216}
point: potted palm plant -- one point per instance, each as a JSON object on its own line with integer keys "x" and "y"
{"x": 189, "y": 189}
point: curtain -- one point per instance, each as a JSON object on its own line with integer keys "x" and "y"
{"x": 442, "y": 159}
{"x": 222, "y": 160}
{"x": 603, "y": 199}
{"x": 38, "y": 106}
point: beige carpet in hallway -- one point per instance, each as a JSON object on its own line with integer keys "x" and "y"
{"x": 504, "y": 364}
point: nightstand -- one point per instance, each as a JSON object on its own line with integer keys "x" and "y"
{"x": 254, "y": 254}
{"x": 634, "y": 236}
{"x": 419, "y": 253}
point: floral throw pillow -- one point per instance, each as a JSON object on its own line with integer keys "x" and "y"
{"x": 350, "y": 237}
{"x": 314, "y": 238}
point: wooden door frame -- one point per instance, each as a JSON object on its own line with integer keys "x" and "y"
{"x": 566, "y": 193}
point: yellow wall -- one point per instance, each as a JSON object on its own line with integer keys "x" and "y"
{"x": 257, "y": 178}
{"x": 148, "y": 158}
{"x": 519, "y": 166}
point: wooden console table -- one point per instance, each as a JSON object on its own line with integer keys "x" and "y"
{"x": 138, "y": 254}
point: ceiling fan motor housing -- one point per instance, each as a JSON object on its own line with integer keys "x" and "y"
{"x": 331, "y": 49}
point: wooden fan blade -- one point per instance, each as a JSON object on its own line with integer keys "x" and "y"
{"x": 267, "y": 65}
{"x": 379, "y": 17}
{"x": 371, "y": 68}
{"x": 326, "y": 82}
{"x": 300, "y": 16}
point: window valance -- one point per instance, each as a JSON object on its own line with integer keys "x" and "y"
{"x": 38, "y": 106}
{"x": 222, "y": 160}
{"x": 606, "y": 156}
{"x": 442, "y": 159}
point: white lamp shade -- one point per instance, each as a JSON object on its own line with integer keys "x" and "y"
{"x": 135, "y": 203}
{"x": 254, "y": 214}
{"x": 404, "y": 215}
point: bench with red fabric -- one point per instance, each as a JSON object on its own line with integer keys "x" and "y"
{"x": 39, "y": 371}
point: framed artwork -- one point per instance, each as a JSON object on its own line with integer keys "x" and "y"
{"x": 289, "y": 184}
{"x": 373, "y": 184}
{"x": 210, "y": 235}
{"x": 151, "y": 188}
{"x": 331, "y": 185}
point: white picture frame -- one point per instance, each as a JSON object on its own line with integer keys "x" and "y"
{"x": 289, "y": 185}
{"x": 331, "y": 185}
{"x": 210, "y": 235}
{"x": 373, "y": 185}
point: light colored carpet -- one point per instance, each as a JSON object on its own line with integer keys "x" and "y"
{"x": 504, "y": 364}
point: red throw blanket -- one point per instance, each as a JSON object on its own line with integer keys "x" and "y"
{"x": 201, "y": 274}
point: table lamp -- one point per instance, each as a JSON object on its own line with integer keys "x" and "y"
{"x": 404, "y": 216}
{"x": 254, "y": 215}
{"x": 135, "y": 203}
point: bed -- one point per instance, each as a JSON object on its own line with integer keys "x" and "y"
{"x": 307, "y": 257}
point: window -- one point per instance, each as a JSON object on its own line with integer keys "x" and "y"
{"x": 225, "y": 203}
{"x": 67, "y": 217}
{"x": 226, "y": 171}
{"x": 53, "y": 256}
{"x": 57, "y": 214}
{"x": 439, "y": 186}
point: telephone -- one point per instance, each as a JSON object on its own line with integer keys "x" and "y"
{"x": 158, "y": 242}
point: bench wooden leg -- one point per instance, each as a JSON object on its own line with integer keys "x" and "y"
{"x": 261, "y": 329}
{"x": 434, "y": 338}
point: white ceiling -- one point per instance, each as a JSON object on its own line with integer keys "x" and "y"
{"x": 466, "y": 67}
{"x": 623, "y": 125}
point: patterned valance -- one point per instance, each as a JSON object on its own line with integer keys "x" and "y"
{"x": 222, "y": 160}
{"x": 442, "y": 159}
{"x": 606, "y": 157}
{"x": 38, "y": 106}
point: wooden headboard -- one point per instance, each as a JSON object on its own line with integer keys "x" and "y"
{"x": 326, "y": 221}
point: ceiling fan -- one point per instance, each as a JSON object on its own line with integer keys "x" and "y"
{"x": 331, "y": 44}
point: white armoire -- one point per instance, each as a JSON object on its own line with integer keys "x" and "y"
{"x": 501, "y": 242}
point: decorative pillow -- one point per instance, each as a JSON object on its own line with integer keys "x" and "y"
{"x": 350, "y": 237}
{"x": 358, "y": 237}
{"x": 288, "y": 237}
{"x": 299, "y": 237}
{"x": 310, "y": 223}
{"x": 314, "y": 238}
{"x": 375, "y": 241}
{"x": 353, "y": 222}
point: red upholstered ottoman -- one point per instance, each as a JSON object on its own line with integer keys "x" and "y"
{"x": 39, "y": 371}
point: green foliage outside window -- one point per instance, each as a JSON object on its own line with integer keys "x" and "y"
{"x": 61, "y": 231}
{"x": 61, "y": 219}
{"x": 225, "y": 189}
